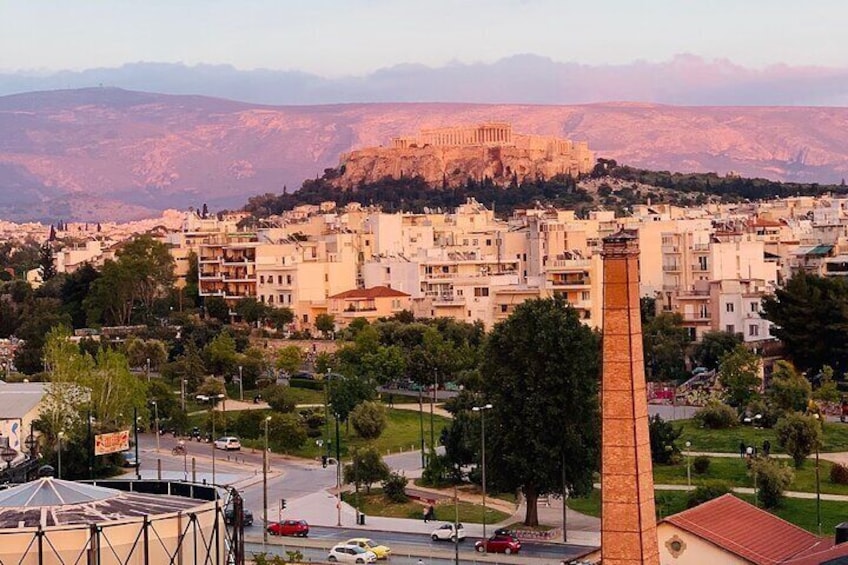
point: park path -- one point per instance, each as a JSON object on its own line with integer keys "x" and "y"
{"x": 840, "y": 457}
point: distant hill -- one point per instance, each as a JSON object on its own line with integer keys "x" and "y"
{"x": 104, "y": 153}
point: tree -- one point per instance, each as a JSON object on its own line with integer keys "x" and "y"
{"x": 289, "y": 359}
{"x": 366, "y": 468}
{"x": 166, "y": 401}
{"x": 188, "y": 366}
{"x": 664, "y": 342}
{"x": 153, "y": 270}
{"x": 220, "y": 355}
{"x": 664, "y": 450}
{"x": 75, "y": 289}
{"x": 788, "y": 391}
{"x": 346, "y": 393}
{"x": 251, "y": 310}
{"x": 191, "y": 290}
{"x": 211, "y": 387}
{"x": 46, "y": 264}
{"x": 771, "y": 478}
{"x": 139, "y": 351}
{"x": 111, "y": 296}
{"x": 369, "y": 419}
{"x": 542, "y": 368}
{"x": 216, "y": 307}
{"x": 810, "y": 317}
{"x": 713, "y": 346}
{"x": 280, "y": 317}
{"x": 325, "y": 323}
{"x": 286, "y": 432}
{"x": 827, "y": 390}
{"x": 38, "y": 317}
{"x": 279, "y": 398}
{"x": 798, "y": 435}
{"x": 739, "y": 374}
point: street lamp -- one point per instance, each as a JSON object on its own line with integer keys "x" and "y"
{"x": 156, "y": 422}
{"x": 148, "y": 370}
{"x": 185, "y": 460}
{"x": 241, "y": 385}
{"x": 60, "y": 435}
{"x": 818, "y": 483}
{"x": 688, "y": 466}
{"x": 265, "y": 484}
{"x": 211, "y": 400}
{"x": 183, "y": 385}
{"x": 482, "y": 411}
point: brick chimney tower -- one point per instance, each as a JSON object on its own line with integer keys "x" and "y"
{"x": 628, "y": 519}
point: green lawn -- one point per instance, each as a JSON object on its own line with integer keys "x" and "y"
{"x": 727, "y": 441}
{"x": 376, "y": 504}
{"x": 402, "y": 432}
{"x": 735, "y": 471}
{"x": 801, "y": 512}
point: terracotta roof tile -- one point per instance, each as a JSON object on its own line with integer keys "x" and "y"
{"x": 373, "y": 292}
{"x": 747, "y": 531}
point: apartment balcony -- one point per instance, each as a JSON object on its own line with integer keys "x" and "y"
{"x": 210, "y": 276}
{"x": 239, "y": 278}
{"x": 237, "y": 261}
{"x": 697, "y": 294}
{"x": 671, "y": 249}
{"x": 570, "y": 263}
{"x": 574, "y": 283}
{"x": 209, "y": 260}
{"x": 671, "y": 268}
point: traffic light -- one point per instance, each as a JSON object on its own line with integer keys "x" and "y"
{"x": 282, "y": 504}
{"x": 324, "y": 461}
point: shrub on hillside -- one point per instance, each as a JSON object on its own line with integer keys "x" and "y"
{"x": 664, "y": 450}
{"x": 716, "y": 416}
{"x": 839, "y": 474}
{"x": 701, "y": 464}
{"x": 707, "y": 491}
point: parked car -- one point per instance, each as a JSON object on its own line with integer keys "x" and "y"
{"x": 381, "y": 551}
{"x": 129, "y": 459}
{"x": 230, "y": 515}
{"x": 499, "y": 543}
{"x": 304, "y": 375}
{"x": 228, "y": 443}
{"x": 289, "y": 528}
{"x": 344, "y": 553}
{"x": 446, "y": 532}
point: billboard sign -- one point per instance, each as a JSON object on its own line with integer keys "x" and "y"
{"x": 111, "y": 443}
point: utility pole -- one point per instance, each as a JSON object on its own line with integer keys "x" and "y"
{"x": 265, "y": 485}
{"x": 421, "y": 421}
{"x": 432, "y": 404}
{"x": 338, "y": 476}
{"x": 135, "y": 435}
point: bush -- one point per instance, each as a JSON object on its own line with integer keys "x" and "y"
{"x": 279, "y": 398}
{"x": 701, "y": 464}
{"x": 798, "y": 435}
{"x": 663, "y": 435}
{"x": 707, "y": 491}
{"x": 369, "y": 419}
{"x": 306, "y": 383}
{"x": 839, "y": 474}
{"x": 395, "y": 488}
{"x": 436, "y": 471}
{"x": 771, "y": 478}
{"x": 716, "y": 416}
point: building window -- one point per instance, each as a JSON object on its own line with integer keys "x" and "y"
{"x": 281, "y": 298}
{"x": 753, "y": 330}
{"x": 306, "y": 318}
{"x": 585, "y": 295}
{"x": 261, "y": 279}
{"x": 702, "y": 263}
{"x": 288, "y": 279}
{"x": 279, "y": 279}
{"x": 481, "y": 291}
{"x": 705, "y": 312}
{"x": 755, "y": 307}
{"x": 730, "y": 328}
{"x": 488, "y": 243}
{"x": 262, "y": 298}
{"x": 728, "y": 307}
{"x": 504, "y": 307}
{"x": 270, "y": 299}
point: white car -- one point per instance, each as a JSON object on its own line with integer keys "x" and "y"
{"x": 344, "y": 553}
{"x": 446, "y": 532}
{"x": 228, "y": 443}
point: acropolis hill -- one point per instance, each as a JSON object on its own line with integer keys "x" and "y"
{"x": 451, "y": 155}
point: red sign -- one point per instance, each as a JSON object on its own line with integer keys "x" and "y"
{"x": 111, "y": 443}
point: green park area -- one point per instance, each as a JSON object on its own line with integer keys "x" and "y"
{"x": 727, "y": 441}
{"x": 799, "y": 511}
{"x": 377, "y": 504}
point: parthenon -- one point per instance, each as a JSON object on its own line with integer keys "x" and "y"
{"x": 483, "y": 134}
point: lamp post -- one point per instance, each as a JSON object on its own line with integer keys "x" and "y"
{"x": 148, "y": 370}
{"x": 338, "y": 475}
{"x": 241, "y": 384}
{"x": 156, "y": 422}
{"x": 482, "y": 411}
{"x": 265, "y": 484}
{"x": 818, "y": 483}
{"x": 135, "y": 438}
{"x": 183, "y": 384}
{"x": 421, "y": 420}
{"x": 185, "y": 460}
{"x": 688, "y": 466}
{"x": 60, "y": 435}
{"x": 432, "y": 404}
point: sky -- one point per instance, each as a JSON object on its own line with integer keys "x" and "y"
{"x": 337, "y": 38}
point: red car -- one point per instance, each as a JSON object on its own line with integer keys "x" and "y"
{"x": 499, "y": 543}
{"x": 289, "y": 528}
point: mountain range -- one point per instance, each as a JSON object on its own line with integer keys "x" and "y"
{"x": 521, "y": 79}
{"x": 113, "y": 154}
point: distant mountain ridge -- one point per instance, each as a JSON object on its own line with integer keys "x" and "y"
{"x": 106, "y": 153}
{"x": 519, "y": 79}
